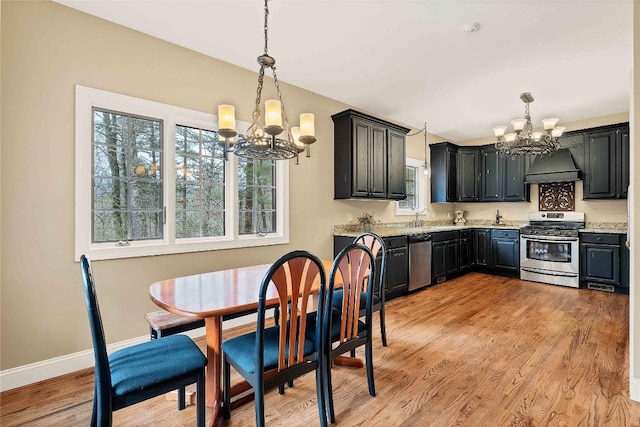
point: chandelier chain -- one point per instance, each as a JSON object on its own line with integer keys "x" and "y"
{"x": 256, "y": 110}
{"x": 266, "y": 27}
{"x": 285, "y": 121}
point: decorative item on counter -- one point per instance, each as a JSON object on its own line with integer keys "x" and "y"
{"x": 459, "y": 218}
{"x": 366, "y": 221}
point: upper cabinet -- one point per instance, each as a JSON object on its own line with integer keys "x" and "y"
{"x": 369, "y": 157}
{"x": 444, "y": 159}
{"x": 469, "y": 167}
{"x": 606, "y": 174}
{"x": 502, "y": 177}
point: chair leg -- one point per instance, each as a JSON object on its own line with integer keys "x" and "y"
{"x": 281, "y": 389}
{"x": 182, "y": 401}
{"x": 94, "y": 412}
{"x": 328, "y": 394}
{"x": 259, "y": 395}
{"x": 200, "y": 406}
{"x": 322, "y": 411}
{"x": 369, "y": 357}
{"x": 353, "y": 353}
{"x": 226, "y": 388}
{"x": 383, "y": 327}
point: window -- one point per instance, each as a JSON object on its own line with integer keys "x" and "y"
{"x": 415, "y": 182}
{"x": 152, "y": 179}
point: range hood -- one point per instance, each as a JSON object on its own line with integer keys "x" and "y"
{"x": 554, "y": 167}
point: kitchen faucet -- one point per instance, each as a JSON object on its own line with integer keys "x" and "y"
{"x": 498, "y": 217}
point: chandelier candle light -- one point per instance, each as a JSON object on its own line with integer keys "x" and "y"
{"x": 276, "y": 140}
{"x": 524, "y": 140}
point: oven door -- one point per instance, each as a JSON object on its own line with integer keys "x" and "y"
{"x": 550, "y": 253}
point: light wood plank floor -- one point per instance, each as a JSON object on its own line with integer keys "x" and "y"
{"x": 479, "y": 350}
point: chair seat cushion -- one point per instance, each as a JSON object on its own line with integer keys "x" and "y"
{"x": 338, "y": 294}
{"x": 242, "y": 349}
{"x": 154, "y": 362}
{"x": 336, "y": 322}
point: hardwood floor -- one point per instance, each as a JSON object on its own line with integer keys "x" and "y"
{"x": 479, "y": 350}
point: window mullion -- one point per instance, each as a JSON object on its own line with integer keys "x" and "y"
{"x": 170, "y": 179}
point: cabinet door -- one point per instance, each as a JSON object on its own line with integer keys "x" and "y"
{"x": 465, "y": 251}
{"x": 452, "y": 258}
{"x": 378, "y": 162}
{"x": 515, "y": 190}
{"x": 600, "y": 263}
{"x": 600, "y": 176}
{"x": 491, "y": 175}
{"x": 452, "y": 175}
{"x": 468, "y": 175}
{"x": 438, "y": 264}
{"x": 506, "y": 254}
{"x": 623, "y": 162}
{"x": 396, "y": 188}
{"x": 482, "y": 247}
{"x": 396, "y": 273}
{"x": 360, "y": 159}
{"x": 443, "y": 172}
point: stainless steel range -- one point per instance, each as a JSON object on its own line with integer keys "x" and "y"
{"x": 549, "y": 248}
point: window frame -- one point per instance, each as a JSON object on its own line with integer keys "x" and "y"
{"x": 86, "y": 99}
{"x": 421, "y": 188}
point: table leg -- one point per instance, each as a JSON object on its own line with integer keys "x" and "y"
{"x": 213, "y": 326}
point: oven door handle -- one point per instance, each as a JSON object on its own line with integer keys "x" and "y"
{"x": 549, "y": 239}
{"x": 548, "y": 273}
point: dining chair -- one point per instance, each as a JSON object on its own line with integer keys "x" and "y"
{"x": 376, "y": 244}
{"x": 141, "y": 371}
{"x": 272, "y": 356}
{"x": 343, "y": 330}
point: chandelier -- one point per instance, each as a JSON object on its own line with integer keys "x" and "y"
{"x": 524, "y": 140}
{"x": 276, "y": 140}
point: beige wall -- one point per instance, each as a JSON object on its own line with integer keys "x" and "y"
{"x": 46, "y": 50}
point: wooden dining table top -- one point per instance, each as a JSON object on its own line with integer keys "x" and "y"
{"x": 215, "y": 293}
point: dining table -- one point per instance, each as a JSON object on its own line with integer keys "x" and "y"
{"x": 212, "y": 296}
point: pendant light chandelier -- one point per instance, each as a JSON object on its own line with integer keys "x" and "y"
{"x": 276, "y": 140}
{"x": 524, "y": 140}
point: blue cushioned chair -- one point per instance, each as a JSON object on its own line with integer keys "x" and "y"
{"x": 274, "y": 355}
{"x": 343, "y": 329}
{"x": 377, "y": 246}
{"x": 142, "y": 371}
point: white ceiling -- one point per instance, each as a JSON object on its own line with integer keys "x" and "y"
{"x": 409, "y": 60}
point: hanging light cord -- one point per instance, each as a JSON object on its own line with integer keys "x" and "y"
{"x": 424, "y": 129}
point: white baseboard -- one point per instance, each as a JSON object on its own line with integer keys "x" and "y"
{"x": 634, "y": 389}
{"x": 46, "y": 369}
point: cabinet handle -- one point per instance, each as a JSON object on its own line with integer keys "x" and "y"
{"x": 599, "y": 239}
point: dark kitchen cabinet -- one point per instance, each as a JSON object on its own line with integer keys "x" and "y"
{"x": 369, "y": 157}
{"x": 444, "y": 159}
{"x": 502, "y": 177}
{"x": 396, "y": 274}
{"x": 445, "y": 255}
{"x": 505, "y": 251}
{"x": 465, "y": 251}
{"x": 604, "y": 262}
{"x": 468, "y": 179}
{"x": 606, "y": 174}
{"x": 481, "y": 247}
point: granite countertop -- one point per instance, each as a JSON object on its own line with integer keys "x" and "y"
{"x": 407, "y": 228}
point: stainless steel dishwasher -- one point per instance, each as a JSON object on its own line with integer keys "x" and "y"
{"x": 419, "y": 261}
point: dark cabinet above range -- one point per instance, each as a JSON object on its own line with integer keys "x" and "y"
{"x": 369, "y": 157}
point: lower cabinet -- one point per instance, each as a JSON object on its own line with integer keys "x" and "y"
{"x": 505, "y": 251}
{"x": 465, "y": 251}
{"x": 604, "y": 262}
{"x": 481, "y": 247}
{"x": 445, "y": 255}
{"x": 396, "y": 274}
